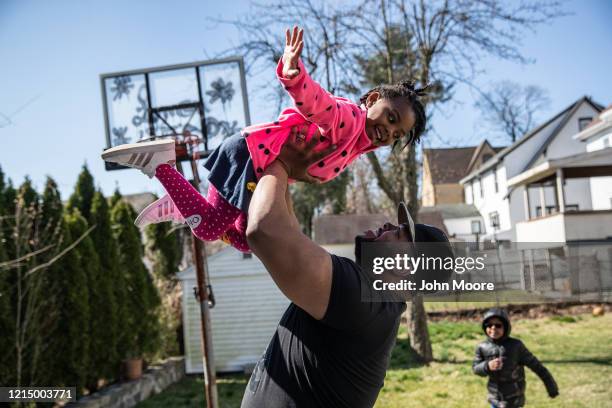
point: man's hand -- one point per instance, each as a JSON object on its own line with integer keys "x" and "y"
{"x": 297, "y": 156}
{"x": 293, "y": 50}
{"x": 495, "y": 364}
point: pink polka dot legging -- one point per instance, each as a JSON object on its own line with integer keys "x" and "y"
{"x": 209, "y": 218}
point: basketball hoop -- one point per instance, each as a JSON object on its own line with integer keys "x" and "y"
{"x": 191, "y": 103}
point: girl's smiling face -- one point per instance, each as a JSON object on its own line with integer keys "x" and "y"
{"x": 388, "y": 120}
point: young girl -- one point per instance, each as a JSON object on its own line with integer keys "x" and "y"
{"x": 387, "y": 113}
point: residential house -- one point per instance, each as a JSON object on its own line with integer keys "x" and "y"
{"x": 512, "y": 186}
{"x": 443, "y": 168}
{"x": 459, "y": 221}
{"x": 598, "y": 136}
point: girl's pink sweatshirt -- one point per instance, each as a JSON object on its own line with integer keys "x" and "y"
{"x": 339, "y": 120}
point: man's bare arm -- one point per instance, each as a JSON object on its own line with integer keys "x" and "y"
{"x": 301, "y": 269}
{"x": 289, "y": 202}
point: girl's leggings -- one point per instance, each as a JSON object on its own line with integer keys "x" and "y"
{"x": 209, "y": 218}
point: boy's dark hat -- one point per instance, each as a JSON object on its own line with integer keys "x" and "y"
{"x": 403, "y": 217}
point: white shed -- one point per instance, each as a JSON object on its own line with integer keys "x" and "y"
{"x": 248, "y": 308}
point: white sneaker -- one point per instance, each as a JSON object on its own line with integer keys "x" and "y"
{"x": 161, "y": 210}
{"x": 145, "y": 156}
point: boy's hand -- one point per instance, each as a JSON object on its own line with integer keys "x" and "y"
{"x": 495, "y": 364}
{"x": 293, "y": 50}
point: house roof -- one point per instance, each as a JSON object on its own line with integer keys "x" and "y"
{"x": 564, "y": 116}
{"x": 560, "y": 126}
{"x": 602, "y": 121}
{"x": 479, "y": 149}
{"x": 598, "y": 118}
{"x": 449, "y": 165}
{"x": 596, "y": 163}
{"x": 450, "y": 211}
{"x": 227, "y": 262}
{"x": 342, "y": 229}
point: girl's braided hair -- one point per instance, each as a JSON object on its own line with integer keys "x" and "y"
{"x": 405, "y": 89}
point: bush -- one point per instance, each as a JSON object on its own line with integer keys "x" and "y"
{"x": 141, "y": 337}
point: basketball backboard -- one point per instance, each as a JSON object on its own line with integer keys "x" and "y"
{"x": 205, "y": 99}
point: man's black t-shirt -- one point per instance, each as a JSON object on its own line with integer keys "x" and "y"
{"x": 339, "y": 361}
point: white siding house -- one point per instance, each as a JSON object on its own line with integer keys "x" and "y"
{"x": 502, "y": 206}
{"x": 248, "y": 308}
{"x": 460, "y": 220}
{"x": 598, "y": 136}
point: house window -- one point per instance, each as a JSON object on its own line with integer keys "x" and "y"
{"x": 494, "y": 219}
{"x": 480, "y": 187}
{"x": 476, "y": 227}
{"x": 549, "y": 210}
{"x": 486, "y": 157}
{"x": 247, "y": 255}
{"x": 584, "y": 122}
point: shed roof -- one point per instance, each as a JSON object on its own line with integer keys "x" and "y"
{"x": 450, "y": 211}
{"x": 343, "y": 228}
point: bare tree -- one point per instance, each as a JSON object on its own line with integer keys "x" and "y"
{"x": 362, "y": 198}
{"x": 512, "y": 109}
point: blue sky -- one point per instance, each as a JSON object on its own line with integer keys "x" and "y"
{"x": 54, "y": 51}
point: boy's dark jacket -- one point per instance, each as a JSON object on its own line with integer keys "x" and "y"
{"x": 507, "y": 386}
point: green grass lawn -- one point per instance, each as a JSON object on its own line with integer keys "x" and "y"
{"x": 577, "y": 350}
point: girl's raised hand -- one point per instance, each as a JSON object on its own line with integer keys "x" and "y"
{"x": 293, "y": 49}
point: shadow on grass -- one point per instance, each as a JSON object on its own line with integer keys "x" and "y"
{"x": 403, "y": 356}
{"x": 189, "y": 392}
{"x": 601, "y": 361}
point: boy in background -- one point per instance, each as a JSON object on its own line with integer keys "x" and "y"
{"x": 502, "y": 358}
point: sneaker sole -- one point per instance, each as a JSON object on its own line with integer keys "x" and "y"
{"x": 140, "y": 220}
{"x": 134, "y": 148}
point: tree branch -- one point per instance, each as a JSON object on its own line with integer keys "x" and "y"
{"x": 61, "y": 254}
